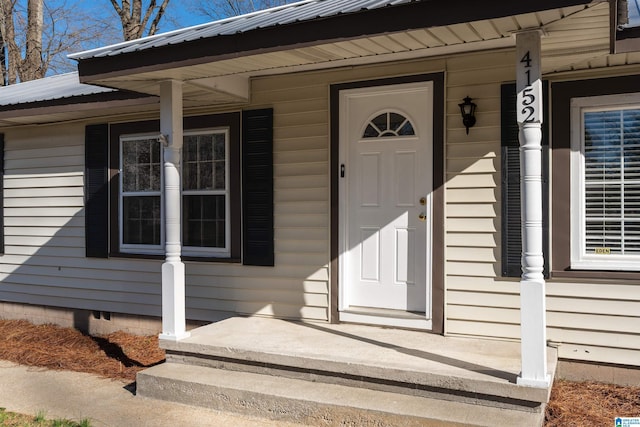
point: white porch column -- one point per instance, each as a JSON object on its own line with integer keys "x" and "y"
{"x": 532, "y": 283}
{"x": 173, "y": 272}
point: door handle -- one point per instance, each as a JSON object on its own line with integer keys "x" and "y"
{"x": 422, "y": 216}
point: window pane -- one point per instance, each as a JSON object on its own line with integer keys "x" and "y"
{"x": 219, "y": 146}
{"x": 204, "y": 176}
{"x": 381, "y": 122}
{"x": 395, "y": 121}
{"x": 219, "y": 180}
{"x": 204, "y": 162}
{"x": 205, "y": 147}
{"x": 632, "y": 237}
{"x": 141, "y": 220}
{"x": 604, "y": 234}
{"x": 143, "y": 172}
{"x": 219, "y": 171}
{"x": 371, "y": 132}
{"x": 129, "y": 177}
{"x": 406, "y": 129}
{"x": 141, "y": 165}
{"x": 603, "y": 200}
{"x": 190, "y": 149}
{"x": 389, "y": 125}
{"x": 204, "y": 222}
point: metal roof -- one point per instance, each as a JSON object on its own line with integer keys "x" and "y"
{"x": 305, "y": 24}
{"x": 278, "y": 16}
{"x": 48, "y": 89}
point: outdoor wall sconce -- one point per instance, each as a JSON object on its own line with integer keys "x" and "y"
{"x": 468, "y": 111}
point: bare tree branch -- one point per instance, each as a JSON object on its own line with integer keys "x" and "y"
{"x": 148, "y": 12}
{"x": 217, "y": 9}
{"x": 154, "y": 25}
{"x": 34, "y": 39}
{"x": 134, "y": 22}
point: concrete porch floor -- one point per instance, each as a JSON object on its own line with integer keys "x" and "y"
{"x": 414, "y": 364}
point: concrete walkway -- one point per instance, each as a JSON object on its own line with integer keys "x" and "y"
{"x": 77, "y": 396}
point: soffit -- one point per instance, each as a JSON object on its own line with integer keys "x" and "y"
{"x": 576, "y": 37}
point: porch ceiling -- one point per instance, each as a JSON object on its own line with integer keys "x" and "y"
{"x": 577, "y": 37}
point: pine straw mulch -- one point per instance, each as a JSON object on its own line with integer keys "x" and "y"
{"x": 590, "y": 404}
{"x": 118, "y": 355}
{"x": 121, "y": 356}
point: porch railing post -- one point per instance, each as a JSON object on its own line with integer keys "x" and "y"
{"x": 173, "y": 271}
{"x": 532, "y": 283}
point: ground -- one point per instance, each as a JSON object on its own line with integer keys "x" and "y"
{"x": 121, "y": 356}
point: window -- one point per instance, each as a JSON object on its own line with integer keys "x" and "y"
{"x": 211, "y": 190}
{"x": 140, "y": 198}
{"x": 625, "y": 28}
{"x": 227, "y": 198}
{"x": 605, "y": 200}
{"x": 629, "y": 15}
{"x": 388, "y": 125}
{"x": 205, "y": 193}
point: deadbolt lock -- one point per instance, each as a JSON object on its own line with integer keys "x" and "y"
{"x": 423, "y": 201}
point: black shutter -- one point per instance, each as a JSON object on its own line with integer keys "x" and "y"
{"x": 96, "y": 191}
{"x": 257, "y": 187}
{"x": 511, "y": 208}
{"x": 1, "y": 193}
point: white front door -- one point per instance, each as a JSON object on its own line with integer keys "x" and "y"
{"x": 385, "y": 194}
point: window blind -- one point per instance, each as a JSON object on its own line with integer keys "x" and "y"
{"x": 612, "y": 182}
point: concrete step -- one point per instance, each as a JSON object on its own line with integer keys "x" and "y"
{"x": 315, "y": 403}
{"x": 393, "y": 379}
{"x": 398, "y": 361}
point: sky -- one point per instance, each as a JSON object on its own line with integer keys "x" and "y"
{"x": 103, "y": 19}
{"x": 179, "y": 13}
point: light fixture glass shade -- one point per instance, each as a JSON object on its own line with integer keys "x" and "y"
{"x": 468, "y": 112}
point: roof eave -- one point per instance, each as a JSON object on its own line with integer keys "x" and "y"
{"x": 414, "y": 15}
{"x": 71, "y": 104}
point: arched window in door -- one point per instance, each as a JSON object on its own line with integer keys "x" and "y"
{"x": 389, "y": 124}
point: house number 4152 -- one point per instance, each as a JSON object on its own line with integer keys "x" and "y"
{"x": 529, "y": 89}
{"x": 528, "y": 97}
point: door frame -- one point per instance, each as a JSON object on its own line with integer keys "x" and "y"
{"x": 437, "y": 236}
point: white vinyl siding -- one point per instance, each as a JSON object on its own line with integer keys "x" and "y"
{"x": 45, "y": 259}
{"x": 45, "y": 262}
{"x": 588, "y": 320}
{"x": 477, "y": 304}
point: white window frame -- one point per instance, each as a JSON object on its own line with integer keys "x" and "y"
{"x": 198, "y": 251}
{"x": 580, "y": 260}
{"x": 137, "y": 248}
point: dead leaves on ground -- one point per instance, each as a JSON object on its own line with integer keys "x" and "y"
{"x": 118, "y": 355}
{"x": 121, "y": 355}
